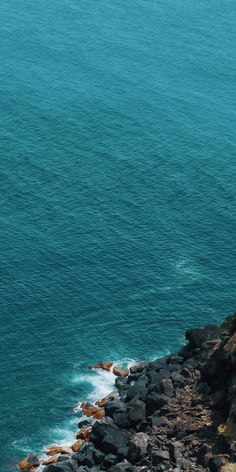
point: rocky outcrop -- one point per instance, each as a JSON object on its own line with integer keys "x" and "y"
{"x": 30, "y": 462}
{"x": 175, "y": 414}
{"x": 102, "y": 365}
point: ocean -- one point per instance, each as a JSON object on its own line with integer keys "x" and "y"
{"x": 117, "y": 187}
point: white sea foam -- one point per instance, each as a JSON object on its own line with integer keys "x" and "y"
{"x": 184, "y": 266}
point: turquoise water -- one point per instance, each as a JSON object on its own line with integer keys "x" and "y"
{"x": 117, "y": 190}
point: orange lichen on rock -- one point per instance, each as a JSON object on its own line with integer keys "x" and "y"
{"x": 104, "y": 400}
{"x": 102, "y": 365}
{"x": 77, "y": 445}
{"x": 50, "y": 460}
{"x": 30, "y": 462}
{"x": 54, "y": 449}
{"x": 84, "y": 434}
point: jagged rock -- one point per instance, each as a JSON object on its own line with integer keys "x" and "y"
{"x": 50, "y": 460}
{"x": 83, "y": 424}
{"x": 91, "y": 410}
{"x": 120, "y": 372}
{"x": 77, "y": 445}
{"x": 159, "y": 456}
{"x": 109, "y": 460}
{"x": 102, "y": 365}
{"x": 89, "y": 456}
{"x": 123, "y": 466}
{"x": 138, "y": 367}
{"x": 137, "y": 447}
{"x": 103, "y": 401}
{"x": 29, "y": 462}
{"x": 108, "y": 438}
{"x": 166, "y": 387}
{"x": 198, "y": 336}
{"x": 217, "y": 462}
{"x": 55, "y": 449}
{"x": 121, "y": 382}
{"x": 156, "y": 401}
{"x": 84, "y": 434}
{"x": 176, "y": 448}
{"x": 64, "y": 466}
{"x": 136, "y": 411}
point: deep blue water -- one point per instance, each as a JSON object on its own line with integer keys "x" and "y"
{"x": 117, "y": 191}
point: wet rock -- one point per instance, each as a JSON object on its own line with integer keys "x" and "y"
{"x": 83, "y": 424}
{"x": 77, "y": 445}
{"x": 29, "y": 462}
{"x": 198, "y": 336}
{"x": 120, "y": 372}
{"x": 138, "y": 367}
{"x": 91, "y": 410}
{"x": 54, "y": 449}
{"x": 84, "y": 434}
{"x": 121, "y": 382}
{"x": 137, "y": 447}
{"x": 103, "y": 365}
{"x": 50, "y": 460}
{"x": 103, "y": 401}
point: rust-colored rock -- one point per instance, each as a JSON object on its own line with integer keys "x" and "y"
{"x": 30, "y": 462}
{"x": 50, "y": 460}
{"x": 91, "y": 410}
{"x": 120, "y": 372}
{"x": 84, "y": 434}
{"x": 77, "y": 445}
{"x": 54, "y": 449}
{"x": 99, "y": 414}
{"x": 104, "y": 400}
{"x": 103, "y": 365}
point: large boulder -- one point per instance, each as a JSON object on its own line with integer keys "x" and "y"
{"x": 55, "y": 449}
{"x": 90, "y": 410}
{"x": 198, "y": 336}
{"x": 109, "y": 438}
{"x": 89, "y": 456}
{"x": 103, "y": 401}
{"x": 137, "y": 447}
{"x": 136, "y": 411}
{"x": 29, "y": 462}
{"x": 138, "y": 368}
{"x": 77, "y": 445}
{"x": 65, "y": 466}
{"x": 102, "y": 365}
{"x": 120, "y": 372}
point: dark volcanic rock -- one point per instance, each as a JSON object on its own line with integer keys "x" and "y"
{"x": 123, "y": 466}
{"x": 108, "y": 438}
{"x": 136, "y": 411}
{"x": 137, "y": 447}
{"x": 198, "y": 336}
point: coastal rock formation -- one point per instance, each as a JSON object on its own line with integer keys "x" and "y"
{"x": 103, "y": 365}
{"x": 174, "y": 414}
{"x": 30, "y": 462}
{"x": 120, "y": 372}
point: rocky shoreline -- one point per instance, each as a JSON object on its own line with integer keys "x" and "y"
{"x": 177, "y": 413}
